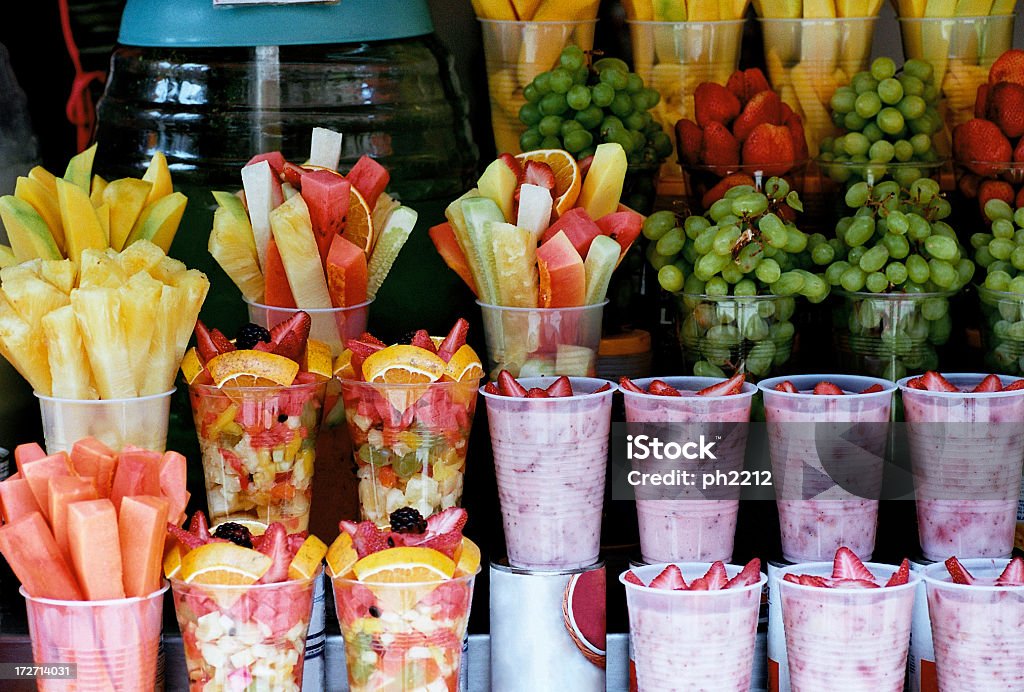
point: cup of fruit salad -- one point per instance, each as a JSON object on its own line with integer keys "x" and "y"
{"x": 257, "y": 404}
{"x": 410, "y": 409}
{"x": 403, "y": 595}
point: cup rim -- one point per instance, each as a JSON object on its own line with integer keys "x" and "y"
{"x": 1009, "y": 295}
{"x": 552, "y": 22}
{"x": 597, "y": 381}
{"x": 745, "y": 393}
{"x": 975, "y": 18}
{"x": 98, "y": 402}
{"x": 814, "y": 21}
{"x": 643, "y": 588}
{"x": 234, "y": 390}
{"x": 768, "y": 386}
{"x": 410, "y": 584}
{"x": 802, "y": 567}
{"x": 311, "y": 311}
{"x": 165, "y": 585}
{"x": 968, "y": 563}
{"x": 902, "y": 383}
{"x": 709, "y": 22}
{"x": 767, "y": 297}
{"x": 574, "y": 308}
{"x": 897, "y": 165}
{"x": 863, "y": 295}
{"x": 751, "y": 168}
{"x": 222, "y": 588}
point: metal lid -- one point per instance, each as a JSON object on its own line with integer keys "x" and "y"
{"x": 197, "y": 23}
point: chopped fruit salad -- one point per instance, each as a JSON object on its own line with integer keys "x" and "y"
{"x": 729, "y": 387}
{"x": 848, "y": 572}
{"x": 510, "y": 386}
{"x": 824, "y": 388}
{"x": 715, "y": 579}
{"x": 934, "y": 382}
{"x": 243, "y": 594}
{"x": 410, "y": 408}
{"x": 257, "y": 404}
{"x": 1012, "y": 575}
{"x": 403, "y": 595}
{"x": 307, "y": 236}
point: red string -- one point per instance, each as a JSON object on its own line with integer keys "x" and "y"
{"x": 80, "y": 109}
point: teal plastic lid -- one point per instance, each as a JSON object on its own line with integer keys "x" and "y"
{"x": 197, "y": 23}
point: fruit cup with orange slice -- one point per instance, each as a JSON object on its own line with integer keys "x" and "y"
{"x": 403, "y": 594}
{"x": 257, "y": 405}
{"x": 243, "y": 603}
{"x": 410, "y": 409}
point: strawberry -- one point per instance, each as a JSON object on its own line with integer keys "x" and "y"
{"x": 371, "y": 339}
{"x": 1013, "y": 575}
{"x": 733, "y": 385}
{"x": 900, "y": 576}
{"x": 288, "y": 338}
{"x": 509, "y": 386}
{"x": 208, "y": 346}
{"x": 713, "y": 103}
{"x": 422, "y": 339}
{"x": 748, "y": 576}
{"x": 560, "y": 387}
{"x": 991, "y": 383}
{"x": 756, "y": 82}
{"x": 724, "y": 185}
{"x": 451, "y": 519}
{"x": 631, "y": 578}
{"x": 491, "y": 388}
{"x": 539, "y": 173}
{"x": 628, "y": 385}
{"x": 199, "y": 527}
{"x": 720, "y": 150}
{"x": 981, "y": 101}
{"x": 603, "y": 388}
{"x": 1005, "y": 107}
{"x": 369, "y": 539}
{"x": 188, "y": 540}
{"x": 689, "y": 141}
{"x": 770, "y": 147}
{"x": 917, "y": 383}
{"x": 807, "y": 580}
{"x": 670, "y": 578}
{"x": 1008, "y": 67}
{"x": 1014, "y": 386}
{"x": 513, "y": 163}
{"x": 765, "y": 107}
{"x": 935, "y": 382}
{"x": 787, "y": 387}
{"x": 1019, "y": 202}
{"x": 737, "y": 84}
{"x": 537, "y": 393}
{"x": 958, "y": 572}
{"x": 873, "y": 389}
{"x": 981, "y": 146}
{"x": 699, "y": 584}
{"x": 995, "y": 189}
{"x": 716, "y": 576}
{"x": 795, "y": 126}
{"x": 847, "y": 565}
{"x": 854, "y": 584}
{"x": 659, "y": 388}
{"x": 1018, "y": 152}
{"x": 275, "y": 546}
{"x": 827, "y": 389}
{"x": 455, "y": 340}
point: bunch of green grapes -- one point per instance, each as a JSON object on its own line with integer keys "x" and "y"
{"x": 576, "y": 107}
{"x": 1000, "y": 251}
{"x": 888, "y": 118}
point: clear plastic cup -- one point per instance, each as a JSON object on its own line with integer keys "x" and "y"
{"x": 687, "y": 524}
{"x": 1002, "y": 330}
{"x": 245, "y": 637}
{"x": 976, "y": 629}
{"x": 113, "y": 643}
{"x": 333, "y": 326}
{"x": 692, "y": 640}
{"x": 846, "y": 639}
{"x": 516, "y": 52}
{"x": 139, "y": 421}
{"x": 259, "y": 448}
{"x": 534, "y": 342}
{"x": 966, "y": 453}
{"x": 828, "y": 456}
{"x": 550, "y": 458}
{"x": 403, "y": 637}
{"x": 409, "y": 442}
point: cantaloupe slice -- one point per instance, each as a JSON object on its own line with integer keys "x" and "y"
{"x": 137, "y": 473}
{"x": 96, "y": 549}
{"x": 16, "y": 500}
{"x": 65, "y": 490}
{"x": 27, "y": 452}
{"x": 30, "y": 550}
{"x": 173, "y": 480}
{"x": 142, "y": 526}
{"x": 90, "y": 458}
{"x": 38, "y": 474}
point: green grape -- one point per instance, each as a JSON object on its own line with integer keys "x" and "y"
{"x": 1001, "y": 249}
{"x": 550, "y": 142}
{"x": 531, "y": 94}
{"x": 752, "y": 204}
{"x": 530, "y": 140}
{"x": 1017, "y": 286}
{"x": 980, "y": 240}
{"x": 905, "y": 176}
{"x": 694, "y": 225}
{"x": 720, "y": 209}
{"x": 745, "y": 287}
{"x": 670, "y": 278}
{"x": 553, "y": 104}
{"x": 796, "y": 241}
{"x": 912, "y": 107}
{"x": 693, "y": 285}
{"x": 578, "y": 97}
{"x": 725, "y": 239}
{"x": 965, "y": 271}
{"x": 652, "y": 97}
{"x": 637, "y": 120}
{"x": 873, "y": 132}
{"x": 864, "y": 82}
{"x": 919, "y": 228}
{"x": 922, "y": 144}
{"x": 854, "y": 122}
{"x": 542, "y": 83}
{"x": 867, "y": 106}
{"x": 657, "y": 261}
{"x": 789, "y": 283}
{"x": 602, "y": 94}
{"x": 732, "y": 273}
{"x": 897, "y": 246}
{"x": 890, "y": 91}
{"x": 550, "y": 125}
{"x": 897, "y": 223}
{"x": 882, "y": 152}
{"x": 917, "y": 269}
{"x": 672, "y": 242}
{"x": 823, "y": 254}
{"x": 570, "y": 126}
{"x": 634, "y": 83}
{"x": 857, "y": 144}
{"x": 614, "y": 77}
{"x": 912, "y": 86}
{"x": 903, "y": 150}
{"x": 1017, "y": 258}
{"x": 561, "y": 80}
{"x": 717, "y": 286}
{"x": 590, "y": 117}
{"x": 998, "y": 209}
{"x": 1003, "y": 228}
{"x": 843, "y": 100}
{"x": 702, "y": 368}
{"x": 896, "y": 273}
{"x": 853, "y": 279}
{"x": 876, "y": 282}
{"x": 860, "y": 231}
{"x": 658, "y": 224}
{"x": 874, "y": 259}
{"x": 853, "y": 257}
{"x": 768, "y": 271}
{"x": 621, "y": 105}
{"x": 1018, "y": 217}
{"x": 890, "y": 120}
{"x": 529, "y": 114}
{"x": 705, "y": 241}
{"x": 576, "y": 142}
{"x": 662, "y": 144}
{"x": 611, "y": 63}
{"x": 943, "y": 274}
{"x": 883, "y": 68}
{"x": 738, "y": 191}
{"x": 749, "y": 258}
{"x": 984, "y": 258}
{"x": 835, "y": 272}
{"x": 857, "y": 195}
{"x": 942, "y": 248}
{"x": 777, "y": 188}
{"x": 997, "y": 281}
{"x": 815, "y": 288}
{"x": 572, "y": 57}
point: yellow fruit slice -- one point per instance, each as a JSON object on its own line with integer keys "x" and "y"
{"x": 191, "y": 366}
{"x": 568, "y": 180}
{"x": 308, "y": 558}
{"x": 224, "y": 563}
{"x": 603, "y": 187}
{"x": 467, "y": 557}
{"x": 317, "y": 359}
{"x": 464, "y": 365}
{"x": 359, "y": 222}
{"x": 343, "y": 369}
{"x": 249, "y": 368}
{"x": 341, "y": 556}
{"x": 172, "y": 561}
{"x": 404, "y": 565}
{"x": 403, "y": 364}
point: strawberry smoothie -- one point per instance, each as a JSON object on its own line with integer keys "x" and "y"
{"x": 550, "y": 459}
{"x": 685, "y": 523}
{"x": 828, "y": 453}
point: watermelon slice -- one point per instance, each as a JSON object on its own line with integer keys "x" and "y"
{"x": 293, "y": 174}
{"x": 27, "y": 452}
{"x": 142, "y": 526}
{"x": 65, "y": 490}
{"x": 90, "y": 458}
{"x": 326, "y": 194}
{"x": 138, "y": 473}
{"x": 30, "y": 550}
{"x": 38, "y": 474}
{"x": 346, "y": 273}
{"x": 173, "y": 481}
{"x": 16, "y": 500}
{"x": 562, "y": 274}
{"x": 274, "y": 158}
{"x": 622, "y": 226}
{"x": 96, "y": 549}
{"x": 577, "y": 226}
{"x": 278, "y": 292}
{"x": 369, "y": 178}
{"x": 443, "y": 237}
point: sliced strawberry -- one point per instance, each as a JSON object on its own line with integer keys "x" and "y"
{"x": 455, "y": 340}
{"x": 659, "y": 388}
{"x": 991, "y": 383}
{"x": 716, "y": 576}
{"x": 537, "y": 393}
{"x": 917, "y": 383}
{"x": 560, "y": 387}
{"x": 295, "y": 541}
{"x": 275, "y": 546}
{"x": 733, "y": 385}
{"x": 935, "y": 382}
{"x": 873, "y": 389}
{"x": 451, "y": 519}
{"x": 186, "y": 538}
{"x": 369, "y": 539}
{"x": 509, "y": 386}
{"x": 198, "y": 526}
{"x": 827, "y": 389}
{"x": 513, "y": 163}
{"x": 446, "y": 543}
{"x": 362, "y": 348}
{"x": 699, "y": 584}
{"x": 539, "y": 173}
{"x": 207, "y": 346}
{"x": 628, "y": 385}
{"x": 958, "y": 572}
{"x": 900, "y": 576}
{"x": 491, "y": 388}
{"x": 422, "y": 339}
{"x": 670, "y": 578}
{"x": 748, "y": 576}
{"x": 1013, "y": 575}
{"x": 813, "y": 580}
{"x": 854, "y": 584}
{"x": 1014, "y": 386}
{"x": 371, "y": 339}
{"x": 222, "y": 343}
{"x": 603, "y": 388}
{"x": 786, "y": 386}
{"x": 289, "y": 337}
{"x": 632, "y": 578}
{"x": 848, "y": 566}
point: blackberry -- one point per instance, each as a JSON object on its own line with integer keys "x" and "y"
{"x": 408, "y": 520}
{"x": 250, "y": 335}
{"x": 236, "y": 533}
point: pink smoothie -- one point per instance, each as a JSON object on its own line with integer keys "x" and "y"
{"x": 550, "y": 459}
{"x": 966, "y": 451}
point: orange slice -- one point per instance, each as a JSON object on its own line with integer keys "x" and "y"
{"x": 464, "y": 365}
{"x": 568, "y": 180}
{"x": 308, "y": 558}
{"x": 341, "y": 556}
{"x": 403, "y": 364}
{"x": 224, "y": 563}
{"x": 467, "y": 557}
{"x": 359, "y": 222}
{"x": 405, "y": 565}
{"x": 248, "y": 368}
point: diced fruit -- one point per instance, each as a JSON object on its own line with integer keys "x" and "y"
{"x": 23, "y": 454}
{"x": 404, "y": 565}
{"x": 327, "y": 195}
{"x": 346, "y": 273}
{"x": 224, "y": 563}
{"x": 30, "y": 550}
{"x": 252, "y": 368}
{"x": 603, "y": 185}
{"x": 498, "y": 183}
{"x": 562, "y": 274}
{"x": 389, "y": 242}
{"x": 369, "y": 178}
{"x": 293, "y": 233}
{"x": 96, "y": 549}
{"x": 601, "y": 261}
{"x": 308, "y": 558}
{"x": 142, "y": 527}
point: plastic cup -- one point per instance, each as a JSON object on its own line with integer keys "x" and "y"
{"x": 533, "y": 342}
{"x": 333, "y": 326}
{"x": 687, "y": 524}
{"x": 692, "y": 640}
{"x": 828, "y": 456}
{"x": 966, "y": 454}
{"x": 550, "y": 457}
{"x": 1002, "y": 330}
{"x": 409, "y": 442}
{"x": 113, "y": 643}
{"x": 403, "y": 637}
{"x": 139, "y": 421}
{"x": 846, "y": 639}
{"x": 245, "y": 637}
{"x": 259, "y": 447}
{"x": 515, "y": 53}
{"x": 976, "y": 629}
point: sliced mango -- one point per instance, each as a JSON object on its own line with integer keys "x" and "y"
{"x": 82, "y": 228}
{"x": 127, "y": 198}
{"x": 79, "y": 170}
{"x": 43, "y": 201}
{"x": 159, "y": 221}
{"x": 159, "y": 175}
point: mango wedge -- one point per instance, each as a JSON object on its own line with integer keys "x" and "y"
{"x": 28, "y": 232}
{"x": 45, "y": 203}
{"x": 79, "y": 170}
{"x": 82, "y": 227}
{"x": 159, "y": 176}
{"x": 127, "y": 198}
{"x": 159, "y": 221}
{"x": 603, "y": 185}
